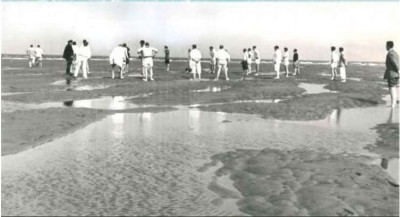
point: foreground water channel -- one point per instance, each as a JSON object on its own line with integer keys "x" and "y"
{"x": 148, "y": 163}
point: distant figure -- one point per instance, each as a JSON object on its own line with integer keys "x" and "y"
{"x": 117, "y": 60}
{"x": 68, "y": 55}
{"x": 38, "y": 56}
{"x": 188, "y": 69}
{"x": 75, "y": 49}
{"x": 147, "y": 60}
{"x": 245, "y": 64}
{"x": 195, "y": 62}
{"x": 140, "y": 55}
{"x": 249, "y": 60}
{"x": 342, "y": 65}
{"x": 392, "y": 72}
{"x": 223, "y": 58}
{"x": 277, "y": 58}
{"x": 213, "y": 60}
{"x": 286, "y": 61}
{"x": 296, "y": 63}
{"x": 166, "y": 51}
{"x": 257, "y": 59}
{"x": 334, "y": 62}
{"x": 127, "y": 60}
{"x": 82, "y": 55}
{"x": 31, "y": 56}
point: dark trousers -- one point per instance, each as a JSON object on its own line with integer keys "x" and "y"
{"x": 69, "y": 64}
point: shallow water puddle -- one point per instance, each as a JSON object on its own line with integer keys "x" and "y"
{"x": 391, "y": 166}
{"x": 147, "y": 163}
{"x": 212, "y": 89}
{"x": 315, "y": 88}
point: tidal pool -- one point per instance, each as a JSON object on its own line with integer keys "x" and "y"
{"x": 148, "y": 163}
{"x": 315, "y": 88}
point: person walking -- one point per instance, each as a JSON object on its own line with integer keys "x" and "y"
{"x": 257, "y": 59}
{"x": 223, "y": 58}
{"x": 213, "y": 60}
{"x": 68, "y": 55}
{"x": 392, "y": 73}
{"x": 249, "y": 59}
{"x": 39, "y": 56}
{"x": 83, "y": 53}
{"x": 245, "y": 64}
{"x": 286, "y": 61}
{"x": 342, "y": 65}
{"x": 31, "y": 56}
{"x": 147, "y": 60}
{"x": 296, "y": 63}
{"x": 117, "y": 61}
{"x": 195, "y": 62}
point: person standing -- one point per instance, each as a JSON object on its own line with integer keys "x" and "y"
{"x": 31, "y": 56}
{"x": 125, "y": 67}
{"x": 392, "y": 72}
{"x": 68, "y": 55}
{"x": 195, "y": 62}
{"x": 83, "y": 53}
{"x": 147, "y": 60}
{"x": 286, "y": 61}
{"x": 39, "y": 56}
{"x": 140, "y": 55}
{"x": 166, "y": 52}
{"x": 296, "y": 63}
{"x": 342, "y": 65}
{"x": 334, "y": 63}
{"x": 257, "y": 59}
{"x": 75, "y": 49}
{"x": 213, "y": 60}
{"x": 223, "y": 58}
{"x": 245, "y": 64}
{"x": 249, "y": 59}
{"x": 277, "y": 58}
{"x": 117, "y": 60}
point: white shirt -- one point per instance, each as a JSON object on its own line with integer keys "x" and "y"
{"x": 118, "y": 56}
{"x": 84, "y": 52}
{"x": 334, "y": 57}
{"x": 38, "y": 52}
{"x": 146, "y": 51}
{"x": 277, "y": 57}
{"x": 250, "y": 53}
{"x": 31, "y": 52}
{"x": 75, "y": 48}
{"x": 245, "y": 56}
{"x": 286, "y": 57}
{"x": 222, "y": 56}
{"x": 195, "y": 55}
{"x": 212, "y": 54}
{"x": 256, "y": 54}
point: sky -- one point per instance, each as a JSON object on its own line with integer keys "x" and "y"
{"x": 362, "y": 28}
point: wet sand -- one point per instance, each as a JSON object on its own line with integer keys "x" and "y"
{"x": 310, "y": 180}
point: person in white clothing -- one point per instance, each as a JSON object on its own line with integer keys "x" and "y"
{"x": 82, "y": 56}
{"x": 286, "y": 61}
{"x": 75, "y": 50}
{"x": 213, "y": 60}
{"x": 195, "y": 62}
{"x": 249, "y": 59}
{"x": 257, "y": 59}
{"x": 342, "y": 64}
{"x": 117, "y": 61}
{"x": 147, "y": 60}
{"x": 334, "y": 63}
{"x": 31, "y": 56}
{"x": 223, "y": 58}
{"x": 245, "y": 64}
{"x": 277, "y": 58}
{"x": 38, "y": 56}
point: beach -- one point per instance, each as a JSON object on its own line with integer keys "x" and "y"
{"x": 302, "y": 145}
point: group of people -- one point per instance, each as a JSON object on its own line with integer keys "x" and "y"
{"x": 77, "y": 57}
{"x": 338, "y": 60}
{"x": 35, "y": 56}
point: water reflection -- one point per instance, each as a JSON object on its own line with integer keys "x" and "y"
{"x": 315, "y": 88}
{"x": 212, "y": 89}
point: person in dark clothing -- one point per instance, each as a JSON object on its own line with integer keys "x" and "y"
{"x": 296, "y": 63}
{"x": 68, "y": 55}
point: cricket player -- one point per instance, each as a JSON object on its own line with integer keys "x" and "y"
{"x": 244, "y": 63}
{"x": 147, "y": 60}
{"x": 342, "y": 64}
{"x": 83, "y": 53}
{"x": 213, "y": 60}
{"x": 195, "y": 62}
{"x": 223, "y": 58}
{"x": 249, "y": 60}
{"x": 296, "y": 63}
{"x": 257, "y": 59}
{"x": 31, "y": 56}
{"x": 38, "y": 56}
{"x": 75, "y": 49}
{"x": 286, "y": 61}
{"x": 166, "y": 60}
{"x": 128, "y": 55}
{"x": 140, "y": 55}
{"x": 334, "y": 62}
{"x": 277, "y": 58}
{"x": 117, "y": 61}
{"x": 68, "y": 55}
